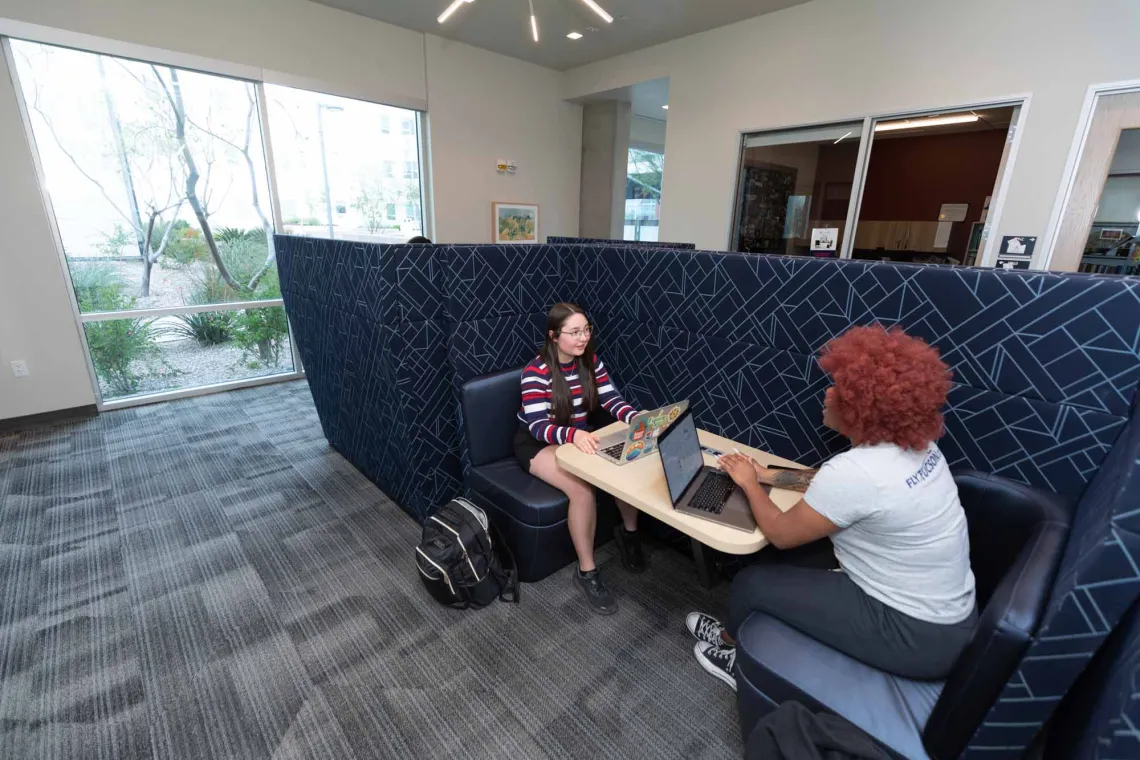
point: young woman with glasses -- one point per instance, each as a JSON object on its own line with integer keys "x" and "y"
{"x": 566, "y": 395}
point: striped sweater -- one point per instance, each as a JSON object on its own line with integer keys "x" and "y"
{"x": 537, "y": 411}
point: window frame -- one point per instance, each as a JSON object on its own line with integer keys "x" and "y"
{"x": 255, "y": 76}
{"x": 987, "y": 253}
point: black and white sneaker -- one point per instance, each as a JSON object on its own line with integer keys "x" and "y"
{"x": 717, "y": 660}
{"x": 705, "y": 628}
{"x": 600, "y": 599}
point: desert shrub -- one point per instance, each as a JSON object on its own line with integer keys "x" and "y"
{"x": 207, "y": 328}
{"x": 261, "y": 334}
{"x": 98, "y": 286}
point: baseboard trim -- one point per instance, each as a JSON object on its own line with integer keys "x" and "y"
{"x": 73, "y": 414}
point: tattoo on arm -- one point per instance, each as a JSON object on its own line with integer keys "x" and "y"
{"x": 793, "y": 480}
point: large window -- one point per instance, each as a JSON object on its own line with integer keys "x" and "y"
{"x": 166, "y": 198}
{"x": 643, "y": 194}
{"x": 795, "y": 190}
{"x": 922, "y": 188}
{"x": 336, "y": 165}
{"x": 157, "y": 180}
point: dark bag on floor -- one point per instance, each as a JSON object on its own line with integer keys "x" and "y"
{"x": 462, "y": 560}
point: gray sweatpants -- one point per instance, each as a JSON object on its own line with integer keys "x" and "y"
{"x": 795, "y": 588}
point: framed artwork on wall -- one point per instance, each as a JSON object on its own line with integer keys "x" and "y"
{"x": 514, "y": 222}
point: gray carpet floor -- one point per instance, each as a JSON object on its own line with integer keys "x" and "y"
{"x": 208, "y": 579}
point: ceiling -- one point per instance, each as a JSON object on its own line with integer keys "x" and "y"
{"x": 504, "y": 25}
{"x": 645, "y": 98}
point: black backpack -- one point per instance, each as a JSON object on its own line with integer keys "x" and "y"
{"x": 462, "y": 561}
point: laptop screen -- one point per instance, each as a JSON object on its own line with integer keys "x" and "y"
{"x": 680, "y": 455}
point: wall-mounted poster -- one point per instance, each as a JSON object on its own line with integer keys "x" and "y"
{"x": 514, "y": 222}
{"x": 825, "y": 238}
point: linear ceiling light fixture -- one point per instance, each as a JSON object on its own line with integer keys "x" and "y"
{"x": 599, "y": 10}
{"x": 457, "y": 4}
{"x": 452, "y": 9}
{"x": 937, "y": 121}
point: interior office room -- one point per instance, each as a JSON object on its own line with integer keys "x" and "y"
{"x": 481, "y": 379}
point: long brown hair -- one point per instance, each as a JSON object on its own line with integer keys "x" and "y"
{"x": 560, "y": 389}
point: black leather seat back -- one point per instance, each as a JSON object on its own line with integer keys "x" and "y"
{"x": 1017, "y": 539}
{"x": 490, "y": 415}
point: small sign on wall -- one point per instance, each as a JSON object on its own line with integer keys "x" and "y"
{"x": 1013, "y": 262}
{"x": 825, "y": 238}
{"x": 1017, "y": 245}
{"x": 953, "y": 212}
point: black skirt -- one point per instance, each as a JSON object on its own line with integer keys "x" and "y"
{"x": 527, "y": 446}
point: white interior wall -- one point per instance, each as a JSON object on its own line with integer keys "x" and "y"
{"x": 37, "y": 323}
{"x": 482, "y": 107}
{"x": 485, "y": 107}
{"x": 831, "y": 60}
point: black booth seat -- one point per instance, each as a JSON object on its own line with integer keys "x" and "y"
{"x": 1017, "y": 538}
{"x": 530, "y": 514}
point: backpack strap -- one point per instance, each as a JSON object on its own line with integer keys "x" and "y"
{"x": 511, "y": 592}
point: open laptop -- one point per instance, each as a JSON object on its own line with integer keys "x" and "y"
{"x": 695, "y": 488}
{"x": 640, "y": 440}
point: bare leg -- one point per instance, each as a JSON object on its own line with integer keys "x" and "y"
{"x": 583, "y": 517}
{"x": 628, "y": 515}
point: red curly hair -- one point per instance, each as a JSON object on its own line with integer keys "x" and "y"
{"x": 888, "y": 387}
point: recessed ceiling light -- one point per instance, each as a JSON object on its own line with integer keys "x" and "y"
{"x": 666, "y": 106}
{"x": 574, "y": 36}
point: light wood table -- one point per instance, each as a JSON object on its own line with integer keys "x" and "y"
{"x": 642, "y": 485}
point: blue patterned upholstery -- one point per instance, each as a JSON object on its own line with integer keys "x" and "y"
{"x": 1046, "y": 369}
{"x": 370, "y": 325}
{"x": 1099, "y": 716}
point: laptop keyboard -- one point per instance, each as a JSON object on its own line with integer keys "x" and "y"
{"x": 613, "y": 452}
{"x": 713, "y": 493}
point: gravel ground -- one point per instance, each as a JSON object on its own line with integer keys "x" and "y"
{"x": 183, "y": 363}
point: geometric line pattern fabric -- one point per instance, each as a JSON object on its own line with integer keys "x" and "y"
{"x": 1046, "y": 368}
{"x": 1062, "y": 338}
{"x": 369, "y": 324}
{"x": 1099, "y": 580}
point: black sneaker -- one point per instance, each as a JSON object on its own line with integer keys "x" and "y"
{"x": 629, "y": 544}
{"x": 717, "y": 660}
{"x": 600, "y": 599}
{"x": 705, "y": 628}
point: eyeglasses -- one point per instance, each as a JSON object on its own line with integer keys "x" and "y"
{"x": 584, "y": 332}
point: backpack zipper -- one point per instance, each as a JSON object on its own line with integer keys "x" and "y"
{"x": 459, "y": 541}
{"x": 442, "y": 572}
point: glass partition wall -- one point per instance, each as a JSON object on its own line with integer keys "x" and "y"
{"x": 918, "y": 188}
{"x": 794, "y": 183}
{"x": 163, "y": 199}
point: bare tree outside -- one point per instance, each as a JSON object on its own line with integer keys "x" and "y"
{"x": 160, "y": 192}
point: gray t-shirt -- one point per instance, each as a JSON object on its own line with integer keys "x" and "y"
{"x": 902, "y": 533}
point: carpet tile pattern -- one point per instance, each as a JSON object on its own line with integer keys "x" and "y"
{"x": 1046, "y": 369}
{"x": 208, "y": 579}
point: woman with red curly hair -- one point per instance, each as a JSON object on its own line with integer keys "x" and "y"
{"x": 893, "y": 586}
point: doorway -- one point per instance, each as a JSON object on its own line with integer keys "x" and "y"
{"x": 1099, "y": 231}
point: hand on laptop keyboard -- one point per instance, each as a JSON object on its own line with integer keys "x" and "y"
{"x": 586, "y": 441}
